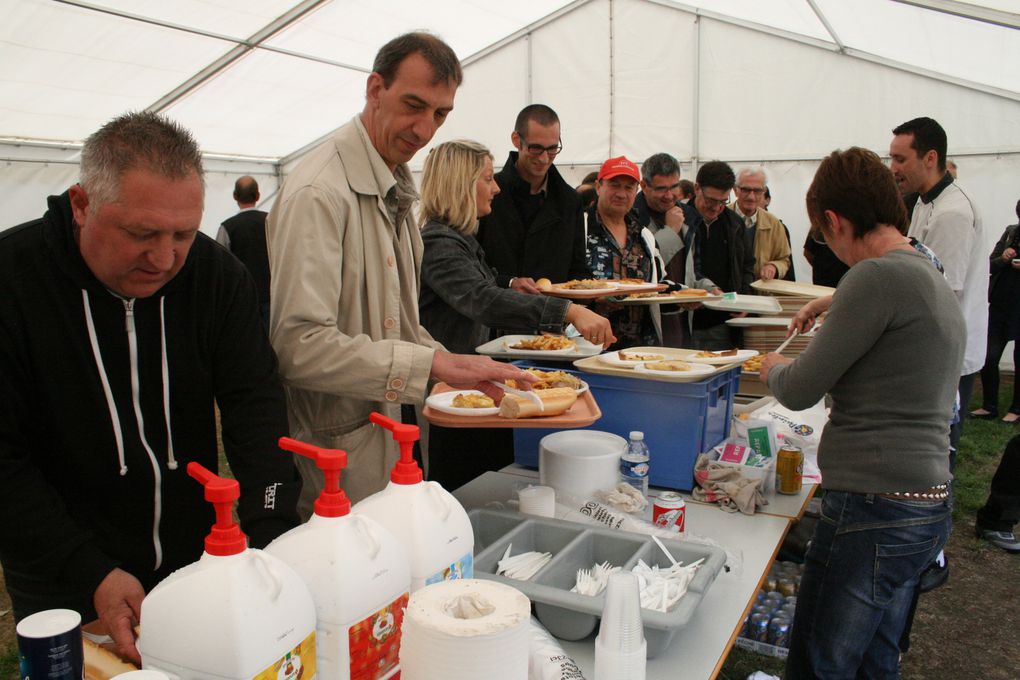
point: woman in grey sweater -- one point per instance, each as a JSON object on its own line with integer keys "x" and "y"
{"x": 462, "y": 297}
{"x": 888, "y": 355}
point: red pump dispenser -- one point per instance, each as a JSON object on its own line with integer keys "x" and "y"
{"x": 406, "y": 471}
{"x": 332, "y": 501}
{"x": 226, "y": 537}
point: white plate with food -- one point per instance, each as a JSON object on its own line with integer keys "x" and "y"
{"x": 500, "y": 348}
{"x": 674, "y": 367}
{"x": 677, "y": 297}
{"x": 553, "y": 379}
{"x": 586, "y": 284}
{"x": 721, "y": 358}
{"x": 559, "y": 344}
{"x": 463, "y": 403}
{"x": 626, "y": 359}
{"x": 631, "y": 284}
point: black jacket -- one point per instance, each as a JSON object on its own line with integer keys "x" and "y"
{"x": 460, "y": 299}
{"x": 740, "y": 252}
{"x": 551, "y": 246}
{"x": 247, "y": 232}
{"x": 81, "y": 490}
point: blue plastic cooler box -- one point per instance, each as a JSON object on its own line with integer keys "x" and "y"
{"x": 680, "y": 420}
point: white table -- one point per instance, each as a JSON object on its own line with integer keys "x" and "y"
{"x": 700, "y": 648}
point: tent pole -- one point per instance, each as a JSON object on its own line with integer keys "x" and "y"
{"x": 696, "y": 98}
{"x": 612, "y": 83}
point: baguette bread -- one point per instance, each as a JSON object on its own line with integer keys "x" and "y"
{"x": 556, "y": 401}
{"x": 102, "y": 664}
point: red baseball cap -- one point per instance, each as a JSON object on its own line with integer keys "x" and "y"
{"x": 615, "y": 167}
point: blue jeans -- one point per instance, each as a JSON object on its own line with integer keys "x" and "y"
{"x": 860, "y": 574}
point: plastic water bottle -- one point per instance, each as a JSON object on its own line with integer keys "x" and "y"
{"x": 634, "y": 463}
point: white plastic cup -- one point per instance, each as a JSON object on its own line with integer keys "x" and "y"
{"x": 537, "y": 500}
{"x": 50, "y": 645}
{"x": 620, "y": 648}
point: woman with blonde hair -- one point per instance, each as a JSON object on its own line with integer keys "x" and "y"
{"x": 462, "y": 297}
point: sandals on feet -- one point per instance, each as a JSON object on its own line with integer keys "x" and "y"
{"x": 1011, "y": 418}
{"x": 984, "y": 414}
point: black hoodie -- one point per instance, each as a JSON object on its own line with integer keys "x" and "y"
{"x": 82, "y": 488}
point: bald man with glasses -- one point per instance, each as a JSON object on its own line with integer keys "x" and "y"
{"x": 534, "y": 230}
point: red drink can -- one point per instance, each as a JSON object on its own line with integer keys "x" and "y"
{"x": 668, "y": 510}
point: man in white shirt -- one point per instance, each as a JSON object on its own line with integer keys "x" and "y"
{"x": 945, "y": 218}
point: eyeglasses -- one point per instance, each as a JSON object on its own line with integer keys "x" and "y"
{"x": 719, "y": 202}
{"x": 537, "y": 150}
{"x": 751, "y": 190}
{"x": 663, "y": 189}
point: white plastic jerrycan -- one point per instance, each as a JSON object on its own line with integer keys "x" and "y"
{"x": 423, "y": 516}
{"x": 236, "y": 614}
{"x": 358, "y": 573}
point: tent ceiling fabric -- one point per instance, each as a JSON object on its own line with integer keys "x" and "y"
{"x": 67, "y": 66}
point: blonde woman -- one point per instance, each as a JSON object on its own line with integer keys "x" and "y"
{"x": 462, "y": 297}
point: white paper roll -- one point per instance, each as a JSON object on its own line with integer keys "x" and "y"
{"x": 465, "y": 630}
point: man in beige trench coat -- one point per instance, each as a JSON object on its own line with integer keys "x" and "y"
{"x": 345, "y": 256}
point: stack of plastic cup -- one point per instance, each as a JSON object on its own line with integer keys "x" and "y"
{"x": 620, "y": 648}
{"x": 537, "y": 500}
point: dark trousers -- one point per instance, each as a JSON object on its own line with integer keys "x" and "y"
{"x": 956, "y": 429}
{"x": 1002, "y": 511}
{"x": 997, "y": 341}
{"x": 458, "y": 455}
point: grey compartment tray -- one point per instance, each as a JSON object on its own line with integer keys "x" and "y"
{"x": 571, "y": 616}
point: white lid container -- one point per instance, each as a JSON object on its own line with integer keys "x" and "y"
{"x": 235, "y": 614}
{"x": 427, "y": 520}
{"x": 358, "y": 573}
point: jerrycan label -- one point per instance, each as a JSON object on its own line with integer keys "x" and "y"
{"x": 374, "y": 642}
{"x": 297, "y": 664}
{"x": 462, "y": 568}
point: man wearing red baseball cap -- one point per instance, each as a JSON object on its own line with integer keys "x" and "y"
{"x": 618, "y": 247}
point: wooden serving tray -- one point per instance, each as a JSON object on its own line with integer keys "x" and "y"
{"x": 611, "y": 292}
{"x": 584, "y": 412}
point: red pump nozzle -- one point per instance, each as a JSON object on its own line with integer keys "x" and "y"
{"x": 226, "y": 538}
{"x": 332, "y": 501}
{"x": 406, "y": 471}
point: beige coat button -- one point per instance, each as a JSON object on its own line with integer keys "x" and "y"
{"x": 389, "y": 322}
{"x": 391, "y": 396}
{"x": 390, "y": 260}
{"x": 396, "y": 383}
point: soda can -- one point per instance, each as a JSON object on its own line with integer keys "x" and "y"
{"x": 788, "y": 609}
{"x": 788, "y": 587}
{"x": 668, "y": 510}
{"x": 758, "y": 628}
{"x": 771, "y": 582}
{"x": 789, "y": 470}
{"x": 779, "y": 631}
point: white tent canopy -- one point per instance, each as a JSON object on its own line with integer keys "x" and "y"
{"x": 779, "y": 83}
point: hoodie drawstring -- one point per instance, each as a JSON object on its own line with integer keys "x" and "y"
{"x": 171, "y": 462}
{"x": 110, "y": 403}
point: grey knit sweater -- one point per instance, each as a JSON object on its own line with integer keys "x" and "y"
{"x": 889, "y": 354}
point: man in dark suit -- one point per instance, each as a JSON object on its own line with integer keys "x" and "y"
{"x": 244, "y": 235}
{"x": 534, "y": 230}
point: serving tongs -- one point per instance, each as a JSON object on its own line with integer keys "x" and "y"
{"x": 525, "y": 394}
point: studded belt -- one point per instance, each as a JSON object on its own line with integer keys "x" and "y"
{"x": 935, "y": 494}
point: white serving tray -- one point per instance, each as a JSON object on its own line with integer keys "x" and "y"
{"x": 753, "y": 304}
{"x": 499, "y": 348}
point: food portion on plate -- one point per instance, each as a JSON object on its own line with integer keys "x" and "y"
{"x": 586, "y": 284}
{"x": 556, "y": 401}
{"x": 631, "y": 282}
{"x": 545, "y": 343}
{"x": 716, "y": 355}
{"x": 548, "y": 380}
{"x": 753, "y": 365}
{"x": 668, "y": 365}
{"x": 689, "y": 292}
{"x": 472, "y": 400}
{"x": 637, "y": 356}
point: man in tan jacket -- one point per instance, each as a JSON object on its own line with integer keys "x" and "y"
{"x": 772, "y": 253}
{"x": 345, "y": 255}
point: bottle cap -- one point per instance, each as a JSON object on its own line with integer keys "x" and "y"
{"x": 637, "y": 435}
{"x": 406, "y": 471}
{"x": 226, "y": 538}
{"x": 332, "y": 501}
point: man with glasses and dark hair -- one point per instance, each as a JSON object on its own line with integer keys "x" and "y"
{"x": 534, "y": 230}
{"x": 724, "y": 253}
{"x": 772, "y": 252}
